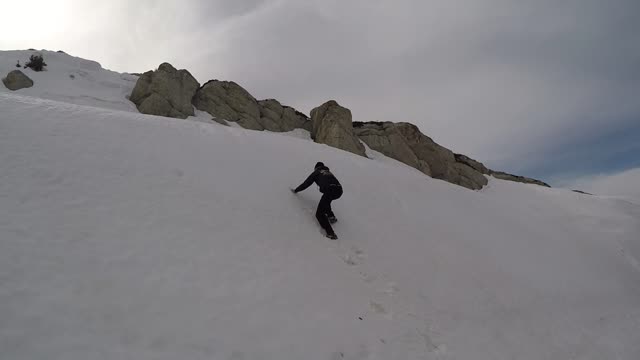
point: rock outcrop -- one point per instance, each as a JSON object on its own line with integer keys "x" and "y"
{"x": 17, "y": 80}
{"x": 332, "y": 125}
{"x": 497, "y": 174}
{"x": 165, "y": 92}
{"x": 286, "y": 117}
{"x": 404, "y": 142}
{"x": 517, "y": 178}
{"x": 174, "y": 93}
{"x": 230, "y": 101}
{"x": 387, "y": 139}
{"x": 474, "y": 164}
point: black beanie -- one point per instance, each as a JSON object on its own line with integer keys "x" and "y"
{"x": 318, "y": 164}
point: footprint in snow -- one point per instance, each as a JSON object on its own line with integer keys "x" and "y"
{"x": 354, "y": 256}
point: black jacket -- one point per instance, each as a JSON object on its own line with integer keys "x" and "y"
{"x": 322, "y": 177}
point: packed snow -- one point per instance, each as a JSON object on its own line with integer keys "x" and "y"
{"x": 129, "y": 236}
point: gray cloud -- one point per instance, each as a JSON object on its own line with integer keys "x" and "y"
{"x": 507, "y": 82}
{"x": 221, "y": 9}
{"x": 499, "y": 80}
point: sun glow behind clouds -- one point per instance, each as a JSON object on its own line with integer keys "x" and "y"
{"x": 44, "y": 21}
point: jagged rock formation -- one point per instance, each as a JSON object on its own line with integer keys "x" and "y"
{"x": 404, "y": 142}
{"x": 497, "y": 174}
{"x": 387, "y": 139}
{"x": 17, "y": 80}
{"x": 165, "y": 92}
{"x": 332, "y": 125}
{"x": 169, "y": 92}
{"x": 286, "y": 117}
{"x": 517, "y": 178}
{"x": 229, "y": 101}
{"x": 474, "y": 164}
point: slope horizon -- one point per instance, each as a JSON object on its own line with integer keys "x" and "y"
{"x": 93, "y": 65}
{"x": 622, "y": 173}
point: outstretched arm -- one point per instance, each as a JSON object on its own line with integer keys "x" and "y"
{"x": 307, "y": 182}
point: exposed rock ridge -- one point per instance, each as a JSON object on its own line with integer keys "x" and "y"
{"x": 174, "y": 93}
{"x": 404, "y": 142}
{"x": 229, "y": 101}
{"x": 497, "y": 174}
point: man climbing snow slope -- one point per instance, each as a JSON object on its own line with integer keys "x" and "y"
{"x": 331, "y": 190}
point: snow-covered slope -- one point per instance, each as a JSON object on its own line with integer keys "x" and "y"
{"x": 128, "y": 236}
{"x": 132, "y": 236}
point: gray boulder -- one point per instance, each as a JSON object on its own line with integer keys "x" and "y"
{"x": 466, "y": 176}
{"x": 230, "y": 101}
{"x": 165, "y": 92}
{"x": 404, "y": 142}
{"x": 437, "y": 157}
{"x": 476, "y": 165}
{"x": 385, "y": 138}
{"x": 497, "y": 174}
{"x": 441, "y": 161}
{"x": 17, "y": 80}
{"x": 331, "y": 124}
{"x": 284, "y": 117}
{"x": 517, "y": 178}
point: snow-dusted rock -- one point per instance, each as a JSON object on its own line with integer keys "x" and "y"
{"x": 17, "y": 80}
{"x": 441, "y": 160}
{"x": 287, "y": 118}
{"x": 517, "y": 178}
{"x": 165, "y": 92}
{"x": 404, "y": 142}
{"x": 385, "y": 138}
{"x": 478, "y": 166}
{"x": 331, "y": 125}
{"x": 229, "y": 101}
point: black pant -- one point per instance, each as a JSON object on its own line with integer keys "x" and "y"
{"x": 324, "y": 211}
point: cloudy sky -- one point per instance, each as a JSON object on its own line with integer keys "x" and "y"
{"x": 543, "y": 88}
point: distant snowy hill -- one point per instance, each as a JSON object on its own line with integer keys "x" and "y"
{"x": 130, "y": 236}
{"x": 72, "y": 79}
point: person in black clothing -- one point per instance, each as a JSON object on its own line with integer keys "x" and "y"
{"x": 331, "y": 190}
